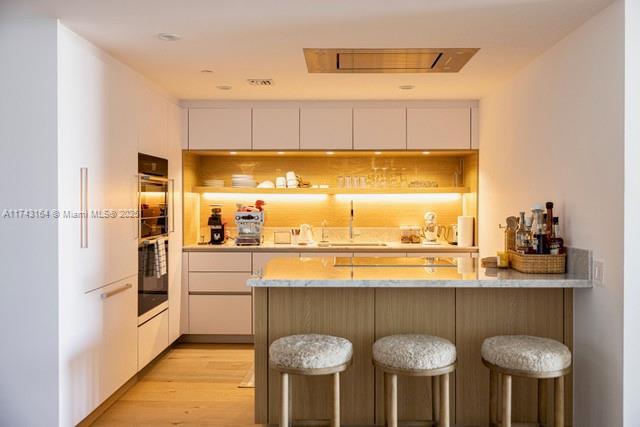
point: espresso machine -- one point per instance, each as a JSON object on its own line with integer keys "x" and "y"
{"x": 249, "y": 227}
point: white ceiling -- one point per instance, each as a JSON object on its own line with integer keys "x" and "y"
{"x": 240, "y": 39}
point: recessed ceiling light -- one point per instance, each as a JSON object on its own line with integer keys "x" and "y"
{"x": 406, "y": 87}
{"x": 426, "y": 153}
{"x": 281, "y": 152}
{"x": 233, "y": 153}
{"x": 377, "y": 153}
{"x": 330, "y": 153}
{"x": 206, "y": 71}
{"x": 224, "y": 87}
{"x": 169, "y": 37}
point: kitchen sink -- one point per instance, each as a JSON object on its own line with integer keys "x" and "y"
{"x": 352, "y": 244}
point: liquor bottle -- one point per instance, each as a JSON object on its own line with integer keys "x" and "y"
{"x": 539, "y": 237}
{"x": 523, "y": 236}
{"x": 549, "y": 218}
{"x": 556, "y": 243}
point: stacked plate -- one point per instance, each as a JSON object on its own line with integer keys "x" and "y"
{"x": 214, "y": 183}
{"x": 243, "y": 181}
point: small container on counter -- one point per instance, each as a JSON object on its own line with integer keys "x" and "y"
{"x": 410, "y": 234}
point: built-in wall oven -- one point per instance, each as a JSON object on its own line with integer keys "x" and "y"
{"x": 155, "y": 222}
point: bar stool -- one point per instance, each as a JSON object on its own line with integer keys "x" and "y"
{"x": 310, "y": 354}
{"x": 525, "y": 356}
{"x": 416, "y": 356}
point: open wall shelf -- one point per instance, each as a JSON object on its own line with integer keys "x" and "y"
{"x": 429, "y": 190}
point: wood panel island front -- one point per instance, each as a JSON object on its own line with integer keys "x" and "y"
{"x": 370, "y": 298}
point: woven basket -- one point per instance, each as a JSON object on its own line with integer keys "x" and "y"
{"x": 526, "y": 263}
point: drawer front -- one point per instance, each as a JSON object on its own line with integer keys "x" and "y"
{"x": 380, "y": 254}
{"x": 153, "y": 338}
{"x": 439, "y": 254}
{"x": 220, "y": 314}
{"x": 219, "y": 282}
{"x": 217, "y": 261}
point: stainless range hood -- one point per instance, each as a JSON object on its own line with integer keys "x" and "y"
{"x": 412, "y": 60}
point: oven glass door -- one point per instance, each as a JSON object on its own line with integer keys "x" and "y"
{"x": 153, "y": 277}
{"x": 154, "y": 202}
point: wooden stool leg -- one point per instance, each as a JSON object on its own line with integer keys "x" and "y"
{"x": 335, "y": 420}
{"x": 506, "y": 400}
{"x": 393, "y": 400}
{"x": 444, "y": 401}
{"x": 499, "y": 392}
{"x": 435, "y": 398}
{"x": 558, "y": 407}
{"x": 493, "y": 397}
{"x": 284, "y": 398}
{"x": 542, "y": 401}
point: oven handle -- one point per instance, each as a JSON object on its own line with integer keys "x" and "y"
{"x": 106, "y": 295}
{"x": 144, "y": 177}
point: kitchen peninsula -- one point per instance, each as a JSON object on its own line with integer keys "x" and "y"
{"x": 364, "y": 299}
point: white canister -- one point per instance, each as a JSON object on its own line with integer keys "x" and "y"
{"x": 465, "y": 231}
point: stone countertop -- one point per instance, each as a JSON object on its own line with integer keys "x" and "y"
{"x": 389, "y": 247}
{"x": 321, "y": 272}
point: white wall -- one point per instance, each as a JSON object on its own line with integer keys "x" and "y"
{"x": 632, "y": 213}
{"x": 555, "y": 132}
{"x": 28, "y": 178}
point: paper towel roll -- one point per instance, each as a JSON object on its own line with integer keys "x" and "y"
{"x": 465, "y": 231}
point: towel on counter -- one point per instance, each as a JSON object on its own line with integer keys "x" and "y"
{"x": 160, "y": 267}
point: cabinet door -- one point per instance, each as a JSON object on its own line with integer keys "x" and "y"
{"x": 276, "y": 129}
{"x": 98, "y": 165}
{"x": 152, "y": 122}
{"x": 220, "y": 314}
{"x": 114, "y": 339}
{"x": 220, "y": 129}
{"x": 438, "y": 128}
{"x": 379, "y": 129}
{"x": 153, "y": 338}
{"x": 326, "y": 129}
{"x": 175, "y": 237}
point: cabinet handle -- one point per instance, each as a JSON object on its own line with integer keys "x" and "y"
{"x": 173, "y": 205}
{"x": 84, "y": 208}
{"x": 106, "y": 295}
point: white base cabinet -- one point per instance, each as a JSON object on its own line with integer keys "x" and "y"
{"x": 220, "y": 314}
{"x": 153, "y": 338}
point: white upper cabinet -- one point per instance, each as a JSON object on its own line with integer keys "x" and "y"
{"x": 326, "y": 129}
{"x": 276, "y": 129}
{"x": 152, "y": 122}
{"x": 438, "y": 128}
{"x": 220, "y": 129}
{"x": 379, "y": 129}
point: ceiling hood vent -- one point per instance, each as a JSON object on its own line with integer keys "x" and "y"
{"x": 260, "y": 82}
{"x": 387, "y": 60}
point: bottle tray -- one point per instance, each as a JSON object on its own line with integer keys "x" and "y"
{"x": 538, "y": 264}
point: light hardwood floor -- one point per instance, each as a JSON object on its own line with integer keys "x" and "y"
{"x": 191, "y": 385}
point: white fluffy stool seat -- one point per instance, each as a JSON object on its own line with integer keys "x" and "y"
{"x": 414, "y": 352}
{"x": 310, "y": 351}
{"x": 526, "y": 353}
